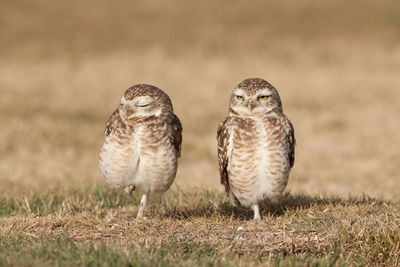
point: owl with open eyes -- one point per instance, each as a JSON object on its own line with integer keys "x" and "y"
{"x": 142, "y": 143}
{"x": 256, "y": 145}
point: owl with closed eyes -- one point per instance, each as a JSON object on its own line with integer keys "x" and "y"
{"x": 142, "y": 143}
{"x": 256, "y": 145}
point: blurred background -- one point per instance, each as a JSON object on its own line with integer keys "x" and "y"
{"x": 65, "y": 64}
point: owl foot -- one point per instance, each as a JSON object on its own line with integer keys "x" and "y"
{"x": 141, "y": 218}
{"x": 129, "y": 189}
{"x": 257, "y": 221}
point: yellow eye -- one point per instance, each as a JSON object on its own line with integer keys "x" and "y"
{"x": 263, "y": 97}
{"x": 239, "y": 97}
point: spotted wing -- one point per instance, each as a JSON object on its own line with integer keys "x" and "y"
{"x": 223, "y": 136}
{"x": 175, "y": 133}
{"x": 290, "y": 138}
{"x": 115, "y": 122}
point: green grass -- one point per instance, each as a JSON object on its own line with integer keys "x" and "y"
{"x": 172, "y": 253}
{"x": 67, "y": 252}
{"x": 64, "y": 252}
{"x": 97, "y": 226}
{"x": 73, "y": 201}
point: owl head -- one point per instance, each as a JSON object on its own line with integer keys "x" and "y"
{"x": 254, "y": 96}
{"x": 143, "y": 101}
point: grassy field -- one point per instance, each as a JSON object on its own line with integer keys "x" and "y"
{"x": 65, "y": 65}
{"x": 196, "y": 227}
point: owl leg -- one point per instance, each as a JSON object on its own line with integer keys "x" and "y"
{"x": 256, "y": 209}
{"x": 142, "y": 205}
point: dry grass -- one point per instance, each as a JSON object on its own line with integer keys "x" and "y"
{"x": 336, "y": 64}
{"x": 197, "y": 227}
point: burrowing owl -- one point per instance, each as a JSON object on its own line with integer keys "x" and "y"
{"x": 142, "y": 143}
{"x": 255, "y": 145}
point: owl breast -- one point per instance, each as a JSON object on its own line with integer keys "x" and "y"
{"x": 158, "y": 161}
{"x": 258, "y": 165}
{"x": 119, "y": 158}
{"x": 144, "y": 159}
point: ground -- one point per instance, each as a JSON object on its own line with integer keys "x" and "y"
{"x": 64, "y": 67}
{"x": 196, "y": 227}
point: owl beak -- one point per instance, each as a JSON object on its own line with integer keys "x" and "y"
{"x": 251, "y": 105}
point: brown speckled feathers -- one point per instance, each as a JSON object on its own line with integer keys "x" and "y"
{"x": 256, "y": 144}
{"x": 175, "y": 133}
{"x": 223, "y": 139}
{"x": 142, "y": 143}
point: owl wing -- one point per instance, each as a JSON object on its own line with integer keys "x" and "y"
{"x": 115, "y": 122}
{"x": 223, "y": 136}
{"x": 292, "y": 141}
{"x": 175, "y": 133}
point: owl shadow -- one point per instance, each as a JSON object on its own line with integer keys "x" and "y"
{"x": 276, "y": 208}
{"x": 207, "y": 211}
{"x": 292, "y": 202}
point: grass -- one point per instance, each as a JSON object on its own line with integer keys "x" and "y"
{"x": 65, "y": 65}
{"x": 97, "y": 226}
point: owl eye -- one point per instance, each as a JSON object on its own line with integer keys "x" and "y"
{"x": 142, "y": 105}
{"x": 239, "y": 97}
{"x": 263, "y": 97}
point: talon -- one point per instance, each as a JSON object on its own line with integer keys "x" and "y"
{"x": 258, "y": 222}
{"x": 129, "y": 189}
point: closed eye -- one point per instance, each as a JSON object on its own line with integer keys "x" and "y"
{"x": 141, "y": 105}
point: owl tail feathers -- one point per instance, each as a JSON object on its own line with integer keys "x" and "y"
{"x": 129, "y": 189}
{"x": 233, "y": 199}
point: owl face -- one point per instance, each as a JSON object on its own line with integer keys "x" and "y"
{"x": 254, "y": 96}
{"x": 144, "y": 101}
